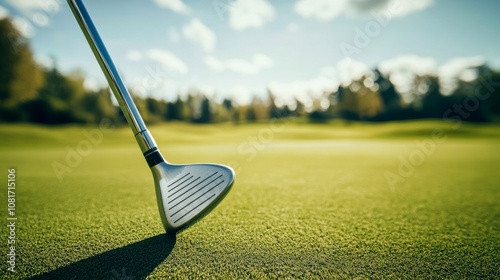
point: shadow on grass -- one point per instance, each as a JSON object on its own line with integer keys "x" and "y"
{"x": 134, "y": 261}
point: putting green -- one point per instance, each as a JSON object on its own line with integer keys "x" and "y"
{"x": 310, "y": 201}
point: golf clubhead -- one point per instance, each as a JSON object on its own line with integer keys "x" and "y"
{"x": 185, "y": 193}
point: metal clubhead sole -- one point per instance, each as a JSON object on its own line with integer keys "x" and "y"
{"x": 186, "y": 193}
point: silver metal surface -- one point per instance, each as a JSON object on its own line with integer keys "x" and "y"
{"x": 186, "y": 193}
{"x": 115, "y": 82}
{"x": 145, "y": 141}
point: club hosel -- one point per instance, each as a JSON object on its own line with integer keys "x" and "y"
{"x": 148, "y": 147}
{"x": 145, "y": 141}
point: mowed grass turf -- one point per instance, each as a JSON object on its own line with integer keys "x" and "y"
{"x": 309, "y": 201}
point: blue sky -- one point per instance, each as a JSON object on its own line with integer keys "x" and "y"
{"x": 243, "y": 47}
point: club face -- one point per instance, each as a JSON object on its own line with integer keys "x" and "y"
{"x": 186, "y": 193}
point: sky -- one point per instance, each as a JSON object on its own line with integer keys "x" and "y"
{"x": 241, "y": 48}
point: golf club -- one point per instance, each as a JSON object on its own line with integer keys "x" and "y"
{"x": 185, "y": 193}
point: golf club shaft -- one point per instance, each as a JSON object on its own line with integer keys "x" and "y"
{"x": 134, "y": 119}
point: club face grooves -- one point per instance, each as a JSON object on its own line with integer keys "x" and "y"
{"x": 186, "y": 193}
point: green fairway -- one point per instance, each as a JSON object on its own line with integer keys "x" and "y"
{"x": 309, "y": 201}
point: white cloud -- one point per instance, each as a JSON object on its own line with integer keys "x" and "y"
{"x": 92, "y": 83}
{"x": 30, "y": 7}
{"x": 325, "y": 10}
{"x": 200, "y": 34}
{"x": 168, "y": 60}
{"x": 403, "y": 70}
{"x": 350, "y": 70}
{"x": 262, "y": 61}
{"x": 409, "y": 63}
{"x": 207, "y": 90}
{"x": 320, "y": 9}
{"x": 214, "y": 64}
{"x": 304, "y": 91}
{"x": 327, "y": 81}
{"x": 36, "y": 12}
{"x": 44, "y": 61}
{"x": 242, "y": 66}
{"x": 241, "y": 95}
{"x": 3, "y": 12}
{"x": 134, "y": 55}
{"x": 24, "y": 27}
{"x": 175, "y": 5}
{"x": 258, "y": 63}
{"x": 460, "y": 68}
{"x": 245, "y": 14}
{"x": 409, "y": 6}
{"x": 155, "y": 82}
{"x": 456, "y": 66}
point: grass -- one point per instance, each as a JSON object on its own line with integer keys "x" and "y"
{"x": 310, "y": 201}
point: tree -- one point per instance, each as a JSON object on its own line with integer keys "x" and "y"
{"x": 258, "y": 109}
{"x": 358, "y": 102}
{"x": 274, "y": 112}
{"x": 479, "y": 97}
{"x": 175, "y": 110}
{"x": 98, "y": 106}
{"x": 20, "y": 76}
{"x": 224, "y": 111}
{"x": 300, "y": 109}
{"x": 206, "y": 114}
{"x": 251, "y": 115}
{"x": 142, "y": 106}
{"x": 228, "y": 104}
{"x": 390, "y": 98}
{"x": 58, "y": 101}
{"x": 156, "y": 109}
{"x": 434, "y": 104}
{"x": 490, "y": 89}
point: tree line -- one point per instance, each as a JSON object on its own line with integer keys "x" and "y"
{"x": 32, "y": 93}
